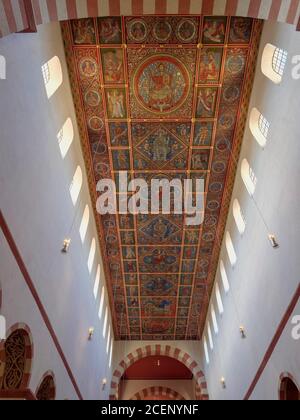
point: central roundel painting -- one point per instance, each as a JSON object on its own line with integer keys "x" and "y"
{"x": 161, "y": 84}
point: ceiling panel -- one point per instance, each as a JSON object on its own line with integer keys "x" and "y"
{"x": 162, "y": 97}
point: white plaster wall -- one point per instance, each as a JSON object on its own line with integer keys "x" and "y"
{"x": 17, "y": 296}
{"x": 264, "y": 280}
{"x": 35, "y": 200}
{"x": 284, "y": 359}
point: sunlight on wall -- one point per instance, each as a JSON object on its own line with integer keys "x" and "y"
{"x": 52, "y": 74}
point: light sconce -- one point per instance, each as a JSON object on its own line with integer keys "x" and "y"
{"x": 158, "y": 363}
{"x": 242, "y": 331}
{"x": 223, "y": 382}
{"x": 104, "y": 383}
{"x": 273, "y": 241}
{"x": 91, "y": 333}
{"x": 66, "y": 246}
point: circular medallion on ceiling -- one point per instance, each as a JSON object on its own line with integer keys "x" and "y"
{"x": 102, "y": 168}
{"x": 227, "y": 120}
{"x": 161, "y": 84}
{"x": 211, "y": 221}
{"x": 111, "y": 239}
{"x": 88, "y": 67}
{"x": 109, "y": 224}
{"x": 223, "y": 145}
{"x": 216, "y": 187}
{"x": 95, "y": 123}
{"x": 137, "y": 31}
{"x": 186, "y": 30}
{"x": 231, "y": 94}
{"x": 208, "y": 236}
{"x": 219, "y": 167}
{"x": 92, "y": 98}
{"x": 162, "y": 30}
{"x": 213, "y": 205}
{"x": 235, "y": 64}
{"x": 113, "y": 252}
{"x": 115, "y": 266}
{"x": 99, "y": 148}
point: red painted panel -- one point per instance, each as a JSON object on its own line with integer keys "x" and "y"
{"x": 157, "y": 368}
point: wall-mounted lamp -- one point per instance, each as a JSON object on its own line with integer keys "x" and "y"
{"x": 66, "y": 246}
{"x": 104, "y": 383}
{"x": 273, "y": 241}
{"x": 91, "y": 333}
{"x": 158, "y": 363}
{"x": 242, "y": 331}
{"x": 223, "y": 382}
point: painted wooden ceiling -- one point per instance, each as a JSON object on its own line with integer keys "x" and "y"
{"x": 162, "y": 97}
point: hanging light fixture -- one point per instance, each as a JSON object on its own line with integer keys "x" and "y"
{"x": 273, "y": 241}
{"x": 66, "y": 246}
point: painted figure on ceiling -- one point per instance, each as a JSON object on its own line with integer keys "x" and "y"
{"x": 203, "y": 135}
{"x": 214, "y": 31}
{"x": 113, "y": 66}
{"x": 88, "y": 68}
{"x": 161, "y": 147}
{"x": 206, "y": 102}
{"x": 159, "y": 285}
{"x": 116, "y": 104}
{"x": 209, "y": 69}
{"x": 110, "y": 31}
{"x": 161, "y": 91}
{"x": 84, "y": 32}
{"x": 129, "y": 253}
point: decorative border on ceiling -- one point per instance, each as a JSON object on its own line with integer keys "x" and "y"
{"x": 38, "y": 12}
{"x": 232, "y": 171}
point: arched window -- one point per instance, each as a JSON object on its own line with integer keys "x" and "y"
{"x": 65, "y": 137}
{"x": 105, "y": 322}
{"x": 97, "y": 281}
{"x": 17, "y": 361}
{"x": 46, "y": 391}
{"x": 101, "y": 303}
{"x": 52, "y": 74}
{"x": 273, "y": 63}
{"x": 248, "y": 177}
{"x": 230, "y": 250}
{"x": 289, "y": 390}
{"x": 219, "y": 300}
{"x": 108, "y": 340}
{"x": 84, "y": 223}
{"x": 224, "y": 277}
{"x": 76, "y": 185}
{"x": 214, "y": 320}
{"x": 2, "y": 67}
{"x": 239, "y": 217}
{"x": 259, "y": 127}
{"x": 92, "y": 255}
{"x": 206, "y": 351}
{"x": 210, "y": 339}
{"x": 111, "y": 351}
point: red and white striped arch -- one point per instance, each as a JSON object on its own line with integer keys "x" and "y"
{"x": 159, "y": 350}
{"x": 18, "y": 15}
{"x": 158, "y": 392}
{"x": 282, "y": 388}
